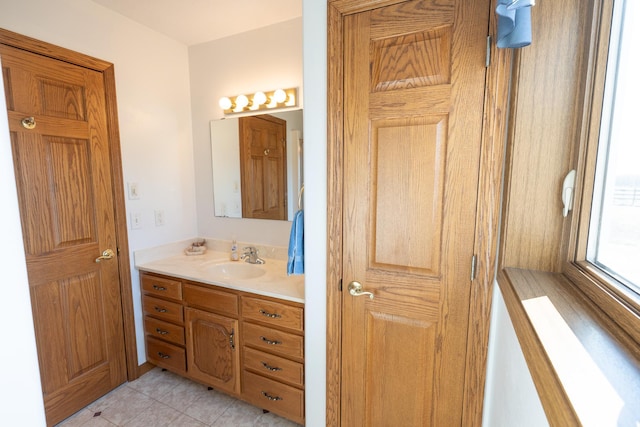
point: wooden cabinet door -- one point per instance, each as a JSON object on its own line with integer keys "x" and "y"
{"x": 58, "y": 128}
{"x": 413, "y": 110}
{"x": 213, "y": 355}
{"x": 263, "y": 167}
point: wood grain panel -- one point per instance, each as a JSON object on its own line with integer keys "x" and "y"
{"x": 492, "y": 154}
{"x": 408, "y": 162}
{"x": 544, "y": 125}
{"x": 388, "y": 21}
{"x": 273, "y": 313}
{"x": 396, "y": 370}
{"x": 273, "y": 366}
{"x": 60, "y": 99}
{"x": 213, "y": 354}
{"x": 70, "y": 170}
{"x": 161, "y": 309}
{"x": 163, "y": 287}
{"x": 211, "y": 299}
{"x": 164, "y": 330}
{"x": 273, "y": 341}
{"x": 434, "y": 99}
{"x": 84, "y": 334}
{"x": 412, "y": 60}
{"x": 275, "y": 397}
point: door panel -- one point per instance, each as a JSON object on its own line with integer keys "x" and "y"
{"x": 413, "y": 102}
{"x": 63, "y": 175}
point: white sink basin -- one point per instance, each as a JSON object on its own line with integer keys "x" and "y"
{"x": 235, "y": 270}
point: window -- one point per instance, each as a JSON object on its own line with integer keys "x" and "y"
{"x": 604, "y": 238}
{"x": 614, "y": 227}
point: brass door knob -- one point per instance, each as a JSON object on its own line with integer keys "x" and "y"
{"x": 107, "y": 254}
{"x": 355, "y": 289}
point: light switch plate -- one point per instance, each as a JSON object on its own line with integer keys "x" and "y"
{"x": 136, "y": 220}
{"x": 134, "y": 193}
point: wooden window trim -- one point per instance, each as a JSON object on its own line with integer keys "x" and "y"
{"x": 603, "y": 318}
{"x": 621, "y": 305}
{"x": 568, "y": 394}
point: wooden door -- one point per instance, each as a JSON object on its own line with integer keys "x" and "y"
{"x": 413, "y": 107}
{"x": 212, "y": 352}
{"x": 58, "y": 129}
{"x": 263, "y": 167}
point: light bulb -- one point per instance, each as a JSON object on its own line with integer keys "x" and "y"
{"x": 225, "y": 103}
{"x": 259, "y": 98}
{"x": 279, "y": 96}
{"x": 241, "y": 102}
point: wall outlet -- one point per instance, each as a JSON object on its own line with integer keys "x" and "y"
{"x": 136, "y": 220}
{"x": 134, "y": 193}
{"x": 159, "y": 213}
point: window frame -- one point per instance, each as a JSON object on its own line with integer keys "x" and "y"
{"x": 620, "y": 303}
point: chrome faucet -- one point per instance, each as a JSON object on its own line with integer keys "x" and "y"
{"x": 250, "y": 255}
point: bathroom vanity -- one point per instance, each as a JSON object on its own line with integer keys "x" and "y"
{"x": 236, "y": 327}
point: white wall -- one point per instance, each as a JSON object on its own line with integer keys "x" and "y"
{"x": 510, "y": 395}
{"x": 264, "y": 59}
{"x": 315, "y": 202}
{"x": 152, "y": 84}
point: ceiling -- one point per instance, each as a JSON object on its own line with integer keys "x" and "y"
{"x": 198, "y": 21}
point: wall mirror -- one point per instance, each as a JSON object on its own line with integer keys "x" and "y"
{"x": 257, "y": 165}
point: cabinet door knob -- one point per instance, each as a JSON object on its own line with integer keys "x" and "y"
{"x": 232, "y": 342}
{"x": 270, "y": 342}
{"x": 270, "y": 315}
{"x": 268, "y": 396}
{"x": 270, "y": 368}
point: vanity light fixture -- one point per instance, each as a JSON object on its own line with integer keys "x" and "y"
{"x": 279, "y": 98}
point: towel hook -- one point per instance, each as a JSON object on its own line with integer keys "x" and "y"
{"x": 300, "y": 197}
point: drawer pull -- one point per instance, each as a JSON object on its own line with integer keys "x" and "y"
{"x": 163, "y": 356}
{"x": 160, "y": 309}
{"x": 268, "y": 396}
{"x": 161, "y": 332}
{"x": 270, "y": 368}
{"x": 271, "y": 315}
{"x": 270, "y": 342}
{"x": 159, "y": 288}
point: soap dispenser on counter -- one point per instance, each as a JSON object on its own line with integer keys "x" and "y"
{"x": 234, "y": 251}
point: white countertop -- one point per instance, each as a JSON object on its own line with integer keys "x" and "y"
{"x": 274, "y": 281}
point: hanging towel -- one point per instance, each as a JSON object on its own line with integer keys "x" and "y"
{"x": 295, "y": 264}
{"x": 514, "y": 23}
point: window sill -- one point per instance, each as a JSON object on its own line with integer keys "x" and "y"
{"x": 586, "y": 372}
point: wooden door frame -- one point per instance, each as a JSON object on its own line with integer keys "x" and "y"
{"x": 494, "y": 132}
{"x": 29, "y": 44}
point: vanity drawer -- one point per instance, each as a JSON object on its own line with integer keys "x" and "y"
{"x": 273, "y": 366}
{"x": 273, "y": 396}
{"x": 273, "y": 313}
{"x": 162, "y": 287}
{"x": 273, "y": 341}
{"x": 161, "y": 309}
{"x": 212, "y": 299}
{"x": 163, "y": 330}
{"x": 166, "y": 355}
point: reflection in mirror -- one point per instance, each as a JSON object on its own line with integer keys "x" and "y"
{"x": 262, "y": 192}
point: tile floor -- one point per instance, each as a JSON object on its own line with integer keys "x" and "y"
{"x": 161, "y": 398}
